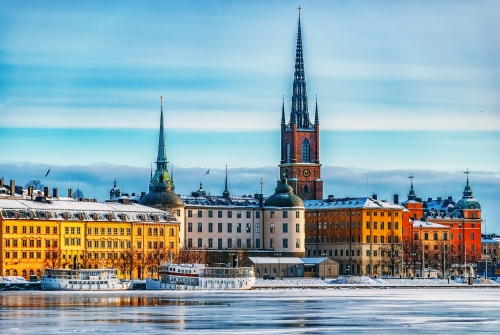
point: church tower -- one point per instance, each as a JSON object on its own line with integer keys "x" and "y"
{"x": 161, "y": 174}
{"x": 300, "y": 137}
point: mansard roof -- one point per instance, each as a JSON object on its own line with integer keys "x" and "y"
{"x": 57, "y": 210}
{"x": 340, "y": 203}
{"x": 220, "y": 201}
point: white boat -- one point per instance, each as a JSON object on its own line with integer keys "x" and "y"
{"x": 198, "y": 277}
{"x": 83, "y": 280}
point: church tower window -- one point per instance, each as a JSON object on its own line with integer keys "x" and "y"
{"x": 306, "y": 151}
{"x": 287, "y": 148}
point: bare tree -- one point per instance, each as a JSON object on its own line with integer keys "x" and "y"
{"x": 391, "y": 254}
{"x": 156, "y": 257}
{"x": 52, "y": 257}
{"x": 36, "y": 183}
{"x": 412, "y": 254}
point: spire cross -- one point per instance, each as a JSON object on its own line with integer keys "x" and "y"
{"x": 411, "y": 177}
{"x": 299, "y": 10}
{"x": 467, "y": 173}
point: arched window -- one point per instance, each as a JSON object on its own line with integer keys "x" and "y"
{"x": 161, "y": 231}
{"x": 435, "y": 236}
{"x": 445, "y": 236}
{"x": 155, "y": 231}
{"x": 306, "y": 189}
{"x": 24, "y": 273}
{"x": 7, "y": 272}
{"x": 426, "y": 236}
{"x": 287, "y": 151}
{"x": 306, "y": 151}
{"x": 139, "y": 231}
{"x": 149, "y": 232}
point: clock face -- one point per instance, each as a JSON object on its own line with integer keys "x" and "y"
{"x": 307, "y": 173}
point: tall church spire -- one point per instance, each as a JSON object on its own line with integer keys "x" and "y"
{"x": 161, "y": 175}
{"x": 162, "y": 151}
{"x": 226, "y": 194}
{"x": 299, "y": 113}
{"x": 316, "y": 116}
{"x": 283, "y": 121}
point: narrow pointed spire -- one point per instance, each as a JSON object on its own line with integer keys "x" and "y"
{"x": 226, "y": 193}
{"x": 467, "y": 190}
{"x": 411, "y": 194}
{"x": 299, "y": 113}
{"x": 283, "y": 121}
{"x": 162, "y": 151}
{"x": 316, "y": 115}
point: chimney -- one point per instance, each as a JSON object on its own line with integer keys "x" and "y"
{"x": 133, "y": 194}
{"x": 55, "y": 192}
{"x": 12, "y": 187}
{"x": 143, "y": 194}
{"x": 95, "y": 199}
{"x": 30, "y": 192}
{"x": 439, "y": 198}
{"x": 70, "y": 193}
{"x": 450, "y": 198}
{"x": 331, "y": 197}
{"x": 46, "y": 191}
{"x": 374, "y": 196}
{"x": 82, "y": 199}
{"x": 396, "y": 198}
{"x": 429, "y": 199}
{"x": 2, "y": 181}
{"x": 88, "y": 200}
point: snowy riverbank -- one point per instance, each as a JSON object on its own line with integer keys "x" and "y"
{"x": 368, "y": 281}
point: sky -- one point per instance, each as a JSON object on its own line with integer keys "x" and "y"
{"x": 402, "y": 87}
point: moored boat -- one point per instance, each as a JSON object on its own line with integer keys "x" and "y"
{"x": 195, "y": 276}
{"x": 83, "y": 280}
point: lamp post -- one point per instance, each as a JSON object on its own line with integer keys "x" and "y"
{"x": 422, "y": 262}
{"x": 278, "y": 254}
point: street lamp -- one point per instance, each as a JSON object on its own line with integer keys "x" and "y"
{"x": 278, "y": 254}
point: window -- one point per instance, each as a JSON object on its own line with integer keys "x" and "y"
{"x": 39, "y": 229}
{"x": 249, "y": 243}
{"x": 367, "y": 238}
{"x": 219, "y": 227}
{"x": 7, "y": 229}
{"x": 200, "y": 242}
{"x": 210, "y": 242}
{"x": 249, "y": 228}
{"x": 178, "y": 212}
{"x": 285, "y": 214}
{"x": 426, "y": 236}
{"x": 445, "y": 236}
{"x": 285, "y": 243}
{"x": 257, "y": 227}
{"x": 238, "y": 227}
{"x": 229, "y": 227}
{"x": 287, "y": 151}
{"x": 219, "y": 244}
{"x": 238, "y": 243}
{"x": 374, "y": 239}
{"x": 374, "y": 213}
{"x": 190, "y": 242}
{"x": 249, "y": 215}
{"x": 103, "y": 231}
{"x": 271, "y": 227}
{"x": 200, "y": 227}
{"x": 238, "y": 214}
{"x": 306, "y": 155}
{"x": 271, "y": 214}
{"x": 297, "y": 215}
{"x": 219, "y": 214}
{"x": 229, "y": 242}
{"x": 128, "y": 231}
{"x": 389, "y": 225}
{"x": 382, "y": 239}
{"x": 271, "y": 243}
{"x": 368, "y": 253}
{"x": 210, "y": 227}
{"x": 297, "y": 227}
{"x": 38, "y": 243}
{"x": 472, "y": 237}
{"x": 229, "y": 214}
{"x": 382, "y": 225}
{"x": 257, "y": 243}
{"x": 14, "y": 230}
{"x": 396, "y": 225}
{"x": 190, "y": 213}
{"x": 285, "y": 227}
{"x": 89, "y": 231}
{"x": 150, "y": 232}
{"x": 66, "y": 230}
{"x": 374, "y": 225}
{"x": 139, "y": 231}
{"x": 200, "y": 213}
{"x": 210, "y": 214}
{"x": 190, "y": 227}
{"x": 297, "y": 243}
{"x": 24, "y": 229}
{"x": 257, "y": 215}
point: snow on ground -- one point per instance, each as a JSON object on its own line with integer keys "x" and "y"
{"x": 363, "y": 280}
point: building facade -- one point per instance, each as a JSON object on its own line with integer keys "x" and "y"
{"x": 363, "y": 234}
{"x": 54, "y": 233}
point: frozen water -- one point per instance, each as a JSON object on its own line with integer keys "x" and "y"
{"x": 290, "y": 311}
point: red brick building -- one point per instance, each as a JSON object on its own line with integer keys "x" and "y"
{"x": 300, "y": 137}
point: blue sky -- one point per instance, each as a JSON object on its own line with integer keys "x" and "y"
{"x": 403, "y": 87}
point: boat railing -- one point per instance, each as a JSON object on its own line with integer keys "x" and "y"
{"x": 229, "y": 272}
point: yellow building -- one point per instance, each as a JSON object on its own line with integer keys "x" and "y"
{"x": 64, "y": 233}
{"x": 362, "y": 234}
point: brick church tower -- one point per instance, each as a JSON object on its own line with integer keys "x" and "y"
{"x": 300, "y": 138}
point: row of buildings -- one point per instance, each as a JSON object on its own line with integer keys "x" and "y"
{"x": 134, "y": 233}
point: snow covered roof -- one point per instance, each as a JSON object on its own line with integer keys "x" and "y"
{"x": 426, "y": 224}
{"x": 275, "y": 260}
{"x": 313, "y": 260}
{"x": 81, "y": 210}
{"x": 219, "y": 201}
{"x": 364, "y": 202}
{"x": 486, "y": 240}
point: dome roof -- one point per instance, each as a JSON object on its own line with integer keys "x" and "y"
{"x": 468, "y": 203}
{"x": 283, "y": 196}
{"x": 161, "y": 196}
